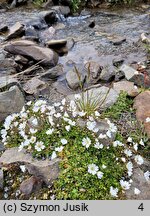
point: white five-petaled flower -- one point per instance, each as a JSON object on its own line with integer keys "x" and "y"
{"x": 68, "y": 127}
{"x": 147, "y": 120}
{"x": 147, "y": 175}
{"x": 50, "y": 131}
{"x": 33, "y": 139}
{"x": 91, "y": 125}
{"x": 128, "y": 152}
{"x": 117, "y": 143}
{"x": 141, "y": 142}
{"x": 54, "y": 155}
{"x": 125, "y": 185}
{"x": 97, "y": 114}
{"x": 100, "y": 174}
{"x": 98, "y": 145}
{"x": 129, "y": 139}
{"x": 35, "y": 121}
{"x": 33, "y": 131}
{"x": 57, "y": 115}
{"x": 104, "y": 166}
{"x": 86, "y": 142}
{"x": 63, "y": 101}
{"x": 129, "y": 167}
{"x": 135, "y": 146}
{"x": 77, "y": 96}
{"x": 137, "y": 191}
{"x": 139, "y": 160}
{"x": 59, "y": 149}
{"x": 113, "y": 191}
{"x": 39, "y": 146}
{"x": 102, "y": 136}
{"x": 63, "y": 141}
{"x": 23, "y": 168}
{"x": 92, "y": 169}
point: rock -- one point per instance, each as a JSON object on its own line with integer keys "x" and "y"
{"x": 7, "y": 66}
{"x": 34, "y": 86}
{"x": 107, "y": 74}
{"x": 1, "y": 179}
{"x": 64, "y": 10}
{"x": 16, "y": 3}
{"x": 37, "y": 23}
{"x": 126, "y": 86}
{"x": 50, "y": 17}
{"x": 117, "y": 40}
{"x": 142, "y": 106}
{"x": 65, "y": 2}
{"x": 105, "y": 96}
{"x": 31, "y": 34}
{"x": 53, "y": 73}
{"x": 31, "y": 50}
{"x": 16, "y": 30}
{"x": 56, "y": 44}
{"x": 47, "y": 34}
{"x": 145, "y": 39}
{"x": 128, "y": 71}
{"x": 140, "y": 183}
{"x": 3, "y": 29}
{"x": 94, "y": 69}
{"x": 11, "y": 101}
{"x": 73, "y": 79}
{"x": 2, "y": 148}
{"x": 21, "y": 60}
{"x": 118, "y": 61}
{"x": 46, "y": 170}
{"x": 6, "y": 82}
{"x": 33, "y": 184}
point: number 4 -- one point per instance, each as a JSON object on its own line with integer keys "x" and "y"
{"x": 141, "y": 207}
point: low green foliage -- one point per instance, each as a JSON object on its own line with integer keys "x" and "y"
{"x": 75, "y": 182}
{"x": 123, "y": 104}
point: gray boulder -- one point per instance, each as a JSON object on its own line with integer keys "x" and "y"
{"x": 11, "y": 101}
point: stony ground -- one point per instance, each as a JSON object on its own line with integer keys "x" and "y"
{"x": 39, "y": 51}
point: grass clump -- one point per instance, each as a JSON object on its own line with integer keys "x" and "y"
{"x": 123, "y": 104}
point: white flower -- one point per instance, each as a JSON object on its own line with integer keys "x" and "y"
{"x": 135, "y": 146}
{"x": 113, "y": 191}
{"x": 63, "y": 101}
{"x": 50, "y": 118}
{"x": 39, "y": 146}
{"x": 35, "y": 109}
{"x": 50, "y": 131}
{"x": 16, "y": 124}
{"x": 91, "y": 125}
{"x": 97, "y": 114}
{"x": 66, "y": 114}
{"x": 123, "y": 159}
{"x": 147, "y": 120}
{"x": 100, "y": 174}
{"x": 128, "y": 152}
{"x": 40, "y": 103}
{"x": 33, "y": 139}
{"x": 103, "y": 166}
{"x": 129, "y": 167}
{"x": 139, "y": 160}
{"x": 54, "y": 155}
{"x": 72, "y": 123}
{"x": 102, "y": 136}
{"x": 57, "y": 115}
{"x": 125, "y": 185}
{"x": 35, "y": 121}
{"x": 82, "y": 113}
{"x": 92, "y": 169}
{"x": 129, "y": 139}
{"x": 22, "y": 126}
{"x": 117, "y": 143}
{"x": 86, "y": 142}
{"x": 57, "y": 104}
{"x": 59, "y": 149}
{"x": 33, "y": 131}
{"x": 26, "y": 142}
{"x": 77, "y": 96}
{"x": 29, "y": 103}
{"x": 43, "y": 108}
{"x": 74, "y": 113}
{"x": 147, "y": 175}
{"x": 98, "y": 145}
{"x": 63, "y": 141}
{"x": 137, "y": 191}
{"x": 141, "y": 142}
{"x": 68, "y": 127}
{"x": 112, "y": 127}
{"x": 109, "y": 134}
{"x": 23, "y": 168}
{"x": 72, "y": 106}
